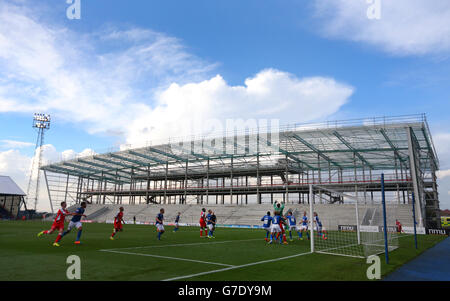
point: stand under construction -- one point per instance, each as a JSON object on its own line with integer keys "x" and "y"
{"x": 256, "y": 168}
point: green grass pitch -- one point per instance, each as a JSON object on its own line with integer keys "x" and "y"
{"x": 137, "y": 255}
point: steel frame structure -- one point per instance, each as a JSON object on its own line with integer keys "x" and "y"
{"x": 344, "y": 155}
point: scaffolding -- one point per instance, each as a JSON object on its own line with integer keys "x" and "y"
{"x": 259, "y": 167}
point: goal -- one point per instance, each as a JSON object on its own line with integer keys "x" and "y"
{"x": 355, "y": 229}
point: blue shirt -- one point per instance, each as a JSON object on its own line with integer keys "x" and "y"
{"x": 77, "y": 218}
{"x": 292, "y": 220}
{"x": 208, "y": 219}
{"x": 160, "y": 216}
{"x": 276, "y": 219}
{"x": 316, "y": 218}
{"x": 177, "y": 219}
{"x": 305, "y": 221}
{"x": 267, "y": 219}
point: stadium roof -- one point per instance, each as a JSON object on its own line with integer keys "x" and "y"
{"x": 9, "y": 187}
{"x": 371, "y": 143}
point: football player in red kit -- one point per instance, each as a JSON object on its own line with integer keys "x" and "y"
{"x": 118, "y": 220}
{"x": 203, "y": 222}
{"x": 58, "y": 223}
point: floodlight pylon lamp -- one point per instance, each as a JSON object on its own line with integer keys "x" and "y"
{"x": 41, "y": 122}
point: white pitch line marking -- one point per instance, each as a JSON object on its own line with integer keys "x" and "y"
{"x": 168, "y": 257}
{"x": 182, "y": 245}
{"x": 236, "y": 267}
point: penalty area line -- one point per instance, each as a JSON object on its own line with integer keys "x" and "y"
{"x": 168, "y": 257}
{"x": 236, "y": 267}
{"x": 183, "y": 245}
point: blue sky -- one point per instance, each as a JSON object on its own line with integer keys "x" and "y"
{"x": 143, "y": 56}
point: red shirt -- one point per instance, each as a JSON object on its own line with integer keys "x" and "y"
{"x": 203, "y": 217}
{"x": 118, "y": 218}
{"x": 61, "y": 215}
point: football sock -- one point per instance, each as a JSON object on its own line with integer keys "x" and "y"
{"x": 79, "y": 235}
{"x": 290, "y": 234}
{"x": 201, "y": 233}
{"x": 58, "y": 238}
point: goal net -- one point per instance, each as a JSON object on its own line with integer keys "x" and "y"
{"x": 353, "y": 226}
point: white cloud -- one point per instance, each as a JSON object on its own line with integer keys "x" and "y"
{"x": 15, "y": 165}
{"x": 442, "y": 141}
{"x": 441, "y": 174}
{"x": 144, "y": 86}
{"x": 406, "y": 27}
{"x": 269, "y": 94}
{"x": 135, "y": 83}
{"x": 18, "y": 166}
{"x": 14, "y": 144}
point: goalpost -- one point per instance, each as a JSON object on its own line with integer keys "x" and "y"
{"x": 355, "y": 228}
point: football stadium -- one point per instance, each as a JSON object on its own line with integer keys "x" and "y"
{"x": 349, "y": 189}
{"x": 224, "y": 148}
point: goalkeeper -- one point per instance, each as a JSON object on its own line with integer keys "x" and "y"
{"x": 278, "y": 209}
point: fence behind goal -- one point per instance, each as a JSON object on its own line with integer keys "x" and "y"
{"x": 358, "y": 234}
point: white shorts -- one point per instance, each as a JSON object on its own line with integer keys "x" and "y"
{"x": 160, "y": 227}
{"x": 303, "y": 227}
{"x": 74, "y": 224}
{"x": 275, "y": 228}
{"x": 318, "y": 228}
{"x": 211, "y": 227}
{"x": 293, "y": 228}
{"x": 176, "y": 225}
{"x": 267, "y": 229}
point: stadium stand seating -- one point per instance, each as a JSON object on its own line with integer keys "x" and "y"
{"x": 330, "y": 214}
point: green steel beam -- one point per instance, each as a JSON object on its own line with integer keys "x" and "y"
{"x": 394, "y": 148}
{"x": 94, "y": 171}
{"x": 312, "y": 147}
{"x": 352, "y": 148}
{"x": 199, "y": 156}
{"x": 158, "y": 151}
{"x": 430, "y": 148}
{"x": 359, "y": 150}
{"x": 141, "y": 163}
{"x": 81, "y": 174}
{"x": 65, "y": 170}
{"x": 108, "y": 168}
{"x": 113, "y": 162}
{"x": 289, "y": 155}
{"x": 147, "y": 157}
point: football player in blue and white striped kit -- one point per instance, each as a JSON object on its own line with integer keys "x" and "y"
{"x": 267, "y": 219}
{"x": 177, "y": 221}
{"x": 292, "y": 225}
{"x": 275, "y": 229}
{"x": 159, "y": 223}
{"x": 209, "y": 224}
{"x": 319, "y": 226}
{"x": 304, "y": 226}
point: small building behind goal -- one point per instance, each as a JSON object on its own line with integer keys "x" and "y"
{"x": 11, "y": 198}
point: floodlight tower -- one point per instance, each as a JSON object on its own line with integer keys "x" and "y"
{"x": 41, "y": 122}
